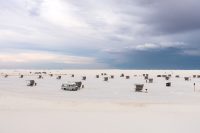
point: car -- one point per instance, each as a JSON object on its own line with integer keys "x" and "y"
{"x": 31, "y": 83}
{"x": 71, "y": 86}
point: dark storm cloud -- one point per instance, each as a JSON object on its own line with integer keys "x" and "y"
{"x": 169, "y": 58}
{"x": 173, "y": 16}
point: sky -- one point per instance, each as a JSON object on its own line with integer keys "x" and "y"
{"x": 100, "y": 34}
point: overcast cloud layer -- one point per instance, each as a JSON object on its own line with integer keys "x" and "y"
{"x": 140, "y": 34}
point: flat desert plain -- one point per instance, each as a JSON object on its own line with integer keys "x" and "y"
{"x": 111, "y": 106}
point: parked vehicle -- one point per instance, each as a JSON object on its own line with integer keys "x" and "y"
{"x": 31, "y": 83}
{"x": 59, "y": 77}
{"x": 71, "y": 86}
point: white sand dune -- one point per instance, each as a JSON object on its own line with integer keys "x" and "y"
{"x": 99, "y": 107}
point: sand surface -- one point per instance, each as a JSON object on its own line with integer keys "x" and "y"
{"x": 99, "y": 107}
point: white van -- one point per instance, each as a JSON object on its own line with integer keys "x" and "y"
{"x": 71, "y": 86}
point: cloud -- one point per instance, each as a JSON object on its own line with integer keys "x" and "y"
{"x": 33, "y": 6}
{"x": 59, "y": 23}
{"x": 148, "y": 47}
{"x": 97, "y": 28}
{"x": 38, "y": 57}
{"x": 61, "y": 13}
{"x": 191, "y": 52}
{"x": 173, "y": 16}
{"x": 162, "y": 45}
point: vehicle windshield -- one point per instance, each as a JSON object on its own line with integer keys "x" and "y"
{"x": 65, "y": 85}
